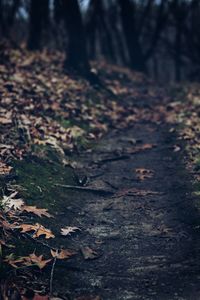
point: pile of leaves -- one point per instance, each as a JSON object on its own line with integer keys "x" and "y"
{"x": 40, "y": 105}
{"x": 15, "y": 228}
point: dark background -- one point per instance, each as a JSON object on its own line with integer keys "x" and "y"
{"x": 159, "y": 38}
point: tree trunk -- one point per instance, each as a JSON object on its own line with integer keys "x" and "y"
{"x": 76, "y": 57}
{"x": 91, "y": 29}
{"x": 132, "y": 39}
{"x": 180, "y": 11}
{"x": 177, "y": 57}
{"x": 39, "y": 13}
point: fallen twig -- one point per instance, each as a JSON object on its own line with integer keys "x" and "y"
{"x": 87, "y": 189}
{"x": 52, "y": 273}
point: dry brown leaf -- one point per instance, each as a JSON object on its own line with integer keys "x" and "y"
{"x": 38, "y": 260}
{"x": 37, "y": 211}
{"x": 6, "y": 119}
{"x": 38, "y": 230}
{"x": 4, "y": 169}
{"x": 89, "y": 253}
{"x": 143, "y": 174}
{"x": 7, "y": 226}
{"x": 69, "y": 230}
{"x": 10, "y": 202}
{"x": 13, "y": 262}
{"x": 62, "y": 254}
{"x": 30, "y": 260}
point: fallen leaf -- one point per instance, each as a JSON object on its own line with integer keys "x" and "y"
{"x": 5, "y": 169}
{"x": 38, "y": 260}
{"x": 28, "y": 261}
{"x": 6, "y": 118}
{"x": 89, "y": 253}
{"x": 37, "y": 211}
{"x": 38, "y": 230}
{"x": 76, "y": 131}
{"x": 143, "y": 174}
{"x": 12, "y": 261}
{"x": 62, "y": 254}
{"x": 177, "y": 148}
{"x": 10, "y": 202}
{"x": 69, "y": 230}
{"x": 6, "y": 225}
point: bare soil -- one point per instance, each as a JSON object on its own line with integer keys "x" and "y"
{"x": 146, "y": 246}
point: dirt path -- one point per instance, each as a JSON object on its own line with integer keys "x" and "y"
{"x": 147, "y": 246}
{"x": 139, "y": 239}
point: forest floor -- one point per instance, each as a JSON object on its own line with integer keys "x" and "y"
{"x": 99, "y": 185}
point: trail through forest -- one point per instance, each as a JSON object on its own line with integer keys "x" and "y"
{"x": 140, "y": 242}
{"x": 99, "y": 150}
{"x": 96, "y": 200}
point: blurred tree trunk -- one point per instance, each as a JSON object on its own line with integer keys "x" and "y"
{"x": 161, "y": 18}
{"x": 13, "y": 10}
{"x": 91, "y": 29}
{"x": 2, "y": 21}
{"x": 58, "y": 11}
{"x": 98, "y": 27}
{"x": 76, "y": 57}
{"x": 179, "y": 11}
{"x": 117, "y": 36}
{"x": 178, "y": 50}
{"x": 7, "y": 16}
{"x": 137, "y": 61}
{"x": 39, "y": 18}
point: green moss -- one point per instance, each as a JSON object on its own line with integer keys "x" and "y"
{"x": 197, "y": 162}
{"x": 66, "y": 123}
{"x": 39, "y": 177}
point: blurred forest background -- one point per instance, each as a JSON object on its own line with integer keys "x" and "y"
{"x": 158, "y": 37}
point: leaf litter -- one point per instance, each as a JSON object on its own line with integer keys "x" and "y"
{"x": 67, "y": 121}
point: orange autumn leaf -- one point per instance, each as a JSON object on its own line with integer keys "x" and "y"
{"x": 38, "y": 230}
{"x": 37, "y": 211}
{"x": 28, "y": 261}
{"x": 38, "y": 260}
{"x": 62, "y": 254}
